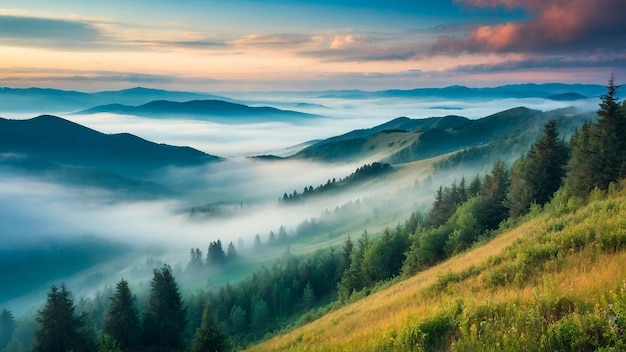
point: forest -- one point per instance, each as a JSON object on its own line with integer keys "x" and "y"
{"x": 298, "y": 289}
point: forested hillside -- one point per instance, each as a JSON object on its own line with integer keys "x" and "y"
{"x": 528, "y": 256}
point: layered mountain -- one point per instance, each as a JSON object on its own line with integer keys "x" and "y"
{"x": 404, "y": 140}
{"x": 54, "y": 100}
{"x": 530, "y": 90}
{"x": 213, "y": 110}
{"x": 64, "y": 142}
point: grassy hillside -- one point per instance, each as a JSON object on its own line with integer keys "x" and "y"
{"x": 555, "y": 281}
{"x": 503, "y": 135}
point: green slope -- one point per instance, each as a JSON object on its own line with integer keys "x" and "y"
{"x": 555, "y": 281}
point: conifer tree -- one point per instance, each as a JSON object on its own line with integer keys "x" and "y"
{"x": 165, "y": 319}
{"x": 598, "y": 151}
{"x": 60, "y": 328}
{"x": 231, "y": 254}
{"x": 495, "y": 189}
{"x": 535, "y": 177}
{"x": 121, "y": 321}
{"x": 209, "y": 336}
{"x": 7, "y": 327}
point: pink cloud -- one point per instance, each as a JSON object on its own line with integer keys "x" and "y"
{"x": 553, "y": 26}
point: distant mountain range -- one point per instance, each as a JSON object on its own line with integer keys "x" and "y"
{"x": 212, "y": 110}
{"x": 545, "y": 91}
{"x": 40, "y": 100}
{"x": 45, "y": 100}
{"x": 64, "y": 142}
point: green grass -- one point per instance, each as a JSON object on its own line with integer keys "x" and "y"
{"x": 554, "y": 282}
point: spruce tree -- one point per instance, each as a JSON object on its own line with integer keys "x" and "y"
{"x": 60, "y": 328}
{"x": 598, "y": 151}
{"x": 495, "y": 189}
{"x": 581, "y": 169}
{"x": 165, "y": 319}
{"x": 535, "y": 177}
{"x": 209, "y": 336}
{"x": 7, "y": 327}
{"x": 611, "y": 138}
{"x": 121, "y": 321}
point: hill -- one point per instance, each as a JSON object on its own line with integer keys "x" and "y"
{"x": 555, "y": 281}
{"x": 569, "y": 96}
{"x": 212, "y": 110}
{"x": 405, "y": 140}
{"x": 38, "y": 100}
{"x": 64, "y": 142}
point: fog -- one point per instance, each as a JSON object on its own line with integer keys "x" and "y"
{"x": 34, "y": 213}
{"x": 40, "y": 217}
{"x": 336, "y": 116}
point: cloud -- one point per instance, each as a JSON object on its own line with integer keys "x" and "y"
{"x": 553, "y": 26}
{"x": 48, "y": 32}
{"x": 545, "y": 63}
{"x": 30, "y": 76}
{"x": 287, "y": 41}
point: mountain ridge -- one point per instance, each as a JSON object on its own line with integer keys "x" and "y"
{"x": 205, "y": 109}
{"x": 68, "y": 143}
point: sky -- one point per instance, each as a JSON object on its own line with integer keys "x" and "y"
{"x": 298, "y": 45}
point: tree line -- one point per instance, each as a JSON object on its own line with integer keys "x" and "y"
{"x": 361, "y": 174}
{"x": 161, "y": 326}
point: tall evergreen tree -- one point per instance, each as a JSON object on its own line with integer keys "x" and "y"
{"x": 60, "y": 328}
{"x": 537, "y": 176}
{"x": 611, "y": 137}
{"x": 495, "y": 189}
{"x": 598, "y": 151}
{"x": 209, "y": 336}
{"x": 215, "y": 254}
{"x": 7, "y": 327}
{"x": 165, "y": 319}
{"x": 581, "y": 169}
{"x": 121, "y": 321}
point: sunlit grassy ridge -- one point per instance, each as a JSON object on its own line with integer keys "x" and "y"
{"x": 557, "y": 282}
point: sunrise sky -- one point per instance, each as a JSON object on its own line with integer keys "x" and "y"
{"x": 237, "y": 45}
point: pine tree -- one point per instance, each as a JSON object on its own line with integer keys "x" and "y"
{"x": 60, "y": 328}
{"x": 209, "y": 336}
{"x": 308, "y": 296}
{"x": 535, "y": 177}
{"x": 598, "y": 151}
{"x": 7, "y": 327}
{"x": 215, "y": 254}
{"x": 580, "y": 179}
{"x": 231, "y": 254}
{"x": 611, "y": 137}
{"x": 121, "y": 321}
{"x": 165, "y": 319}
{"x": 495, "y": 189}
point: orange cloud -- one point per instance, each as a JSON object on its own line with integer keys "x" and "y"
{"x": 553, "y": 26}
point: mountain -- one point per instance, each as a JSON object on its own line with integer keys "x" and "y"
{"x": 379, "y": 141}
{"x": 569, "y": 96}
{"x": 64, "y": 142}
{"x": 464, "y": 93}
{"x": 38, "y": 100}
{"x": 405, "y": 140}
{"x": 213, "y": 110}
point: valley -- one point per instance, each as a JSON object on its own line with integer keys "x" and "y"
{"x": 143, "y": 204}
